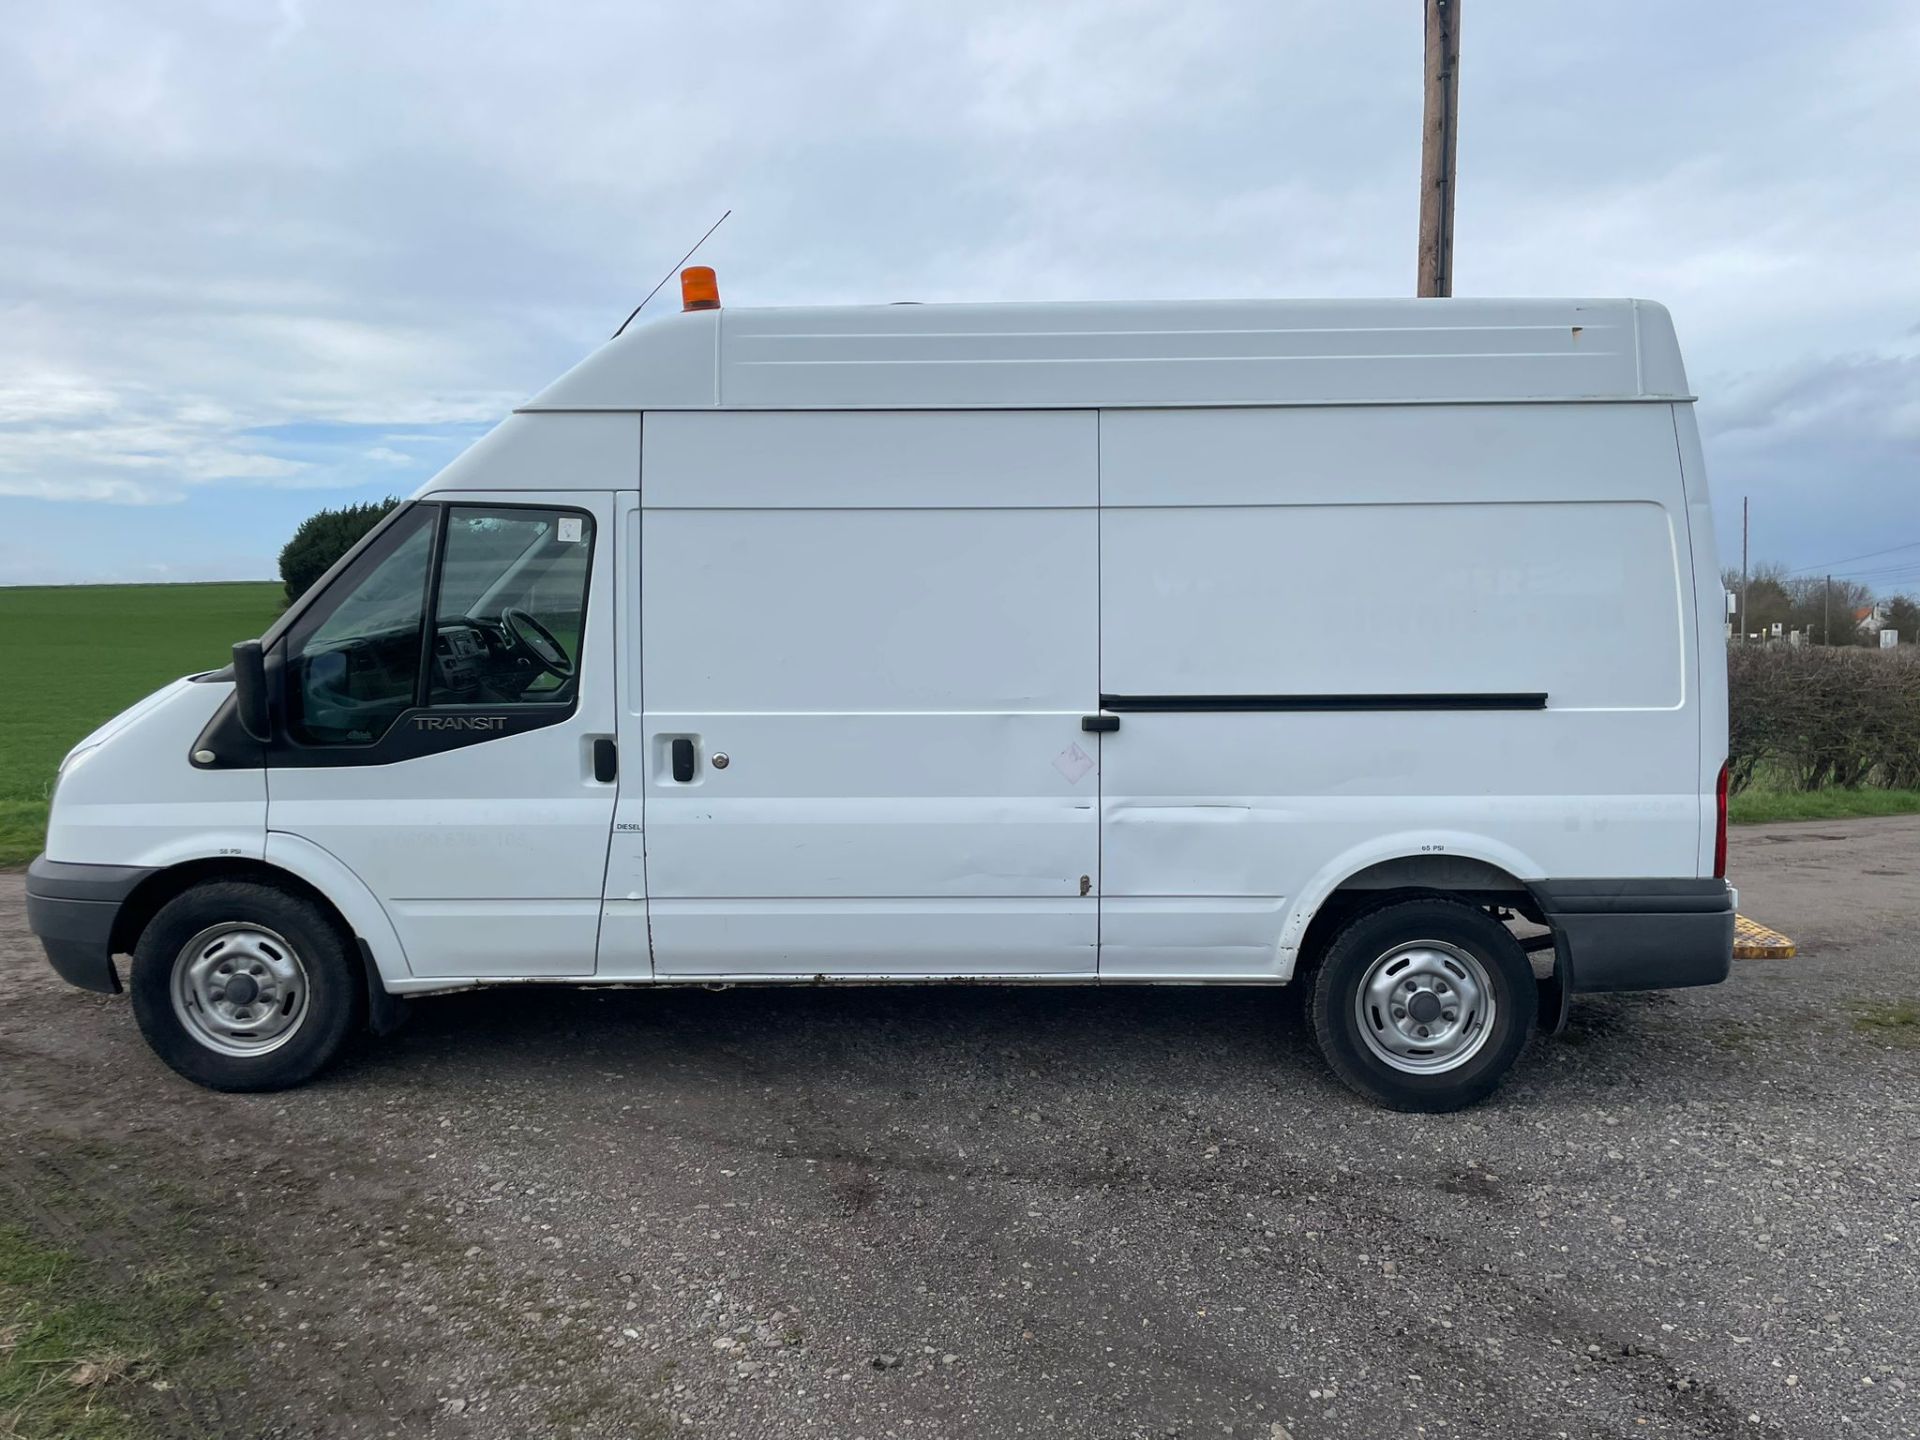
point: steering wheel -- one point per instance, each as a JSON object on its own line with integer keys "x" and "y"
{"x": 536, "y": 642}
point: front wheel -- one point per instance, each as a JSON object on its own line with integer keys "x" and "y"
{"x": 241, "y": 986}
{"x": 1423, "y": 1005}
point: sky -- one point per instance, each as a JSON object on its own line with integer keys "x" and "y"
{"x": 260, "y": 258}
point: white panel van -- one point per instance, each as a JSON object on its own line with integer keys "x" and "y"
{"x": 1370, "y": 645}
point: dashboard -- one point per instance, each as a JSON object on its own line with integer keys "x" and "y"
{"x": 461, "y": 655}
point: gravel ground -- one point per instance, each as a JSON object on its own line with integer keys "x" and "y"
{"x": 1047, "y": 1212}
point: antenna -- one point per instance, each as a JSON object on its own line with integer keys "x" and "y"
{"x": 669, "y": 275}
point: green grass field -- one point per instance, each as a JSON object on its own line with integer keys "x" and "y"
{"x": 80, "y": 654}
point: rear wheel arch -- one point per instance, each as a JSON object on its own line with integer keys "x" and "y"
{"x": 1467, "y": 879}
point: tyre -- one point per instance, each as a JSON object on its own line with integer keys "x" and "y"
{"x": 243, "y": 986}
{"x": 1423, "y": 1005}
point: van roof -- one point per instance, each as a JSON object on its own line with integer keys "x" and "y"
{"x": 1178, "y": 353}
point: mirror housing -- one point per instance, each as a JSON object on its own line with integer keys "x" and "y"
{"x": 250, "y": 690}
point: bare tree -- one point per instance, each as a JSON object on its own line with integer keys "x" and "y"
{"x": 1828, "y": 609}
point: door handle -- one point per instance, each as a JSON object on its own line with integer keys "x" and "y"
{"x": 1099, "y": 724}
{"x": 606, "y": 760}
{"x": 682, "y": 760}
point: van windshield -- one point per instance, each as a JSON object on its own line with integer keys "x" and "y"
{"x": 388, "y": 599}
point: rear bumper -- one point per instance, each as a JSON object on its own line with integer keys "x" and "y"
{"x": 72, "y": 909}
{"x": 1640, "y": 934}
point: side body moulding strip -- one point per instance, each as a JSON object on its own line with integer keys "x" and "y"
{"x": 1196, "y": 704}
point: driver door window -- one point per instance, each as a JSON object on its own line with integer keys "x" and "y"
{"x": 506, "y": 588}
{"x": 511, "y": 608}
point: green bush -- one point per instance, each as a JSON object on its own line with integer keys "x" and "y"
{"x": 1819, "y": 717}
{"x": 322, "y": 539}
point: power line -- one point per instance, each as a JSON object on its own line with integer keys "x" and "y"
{"x": 1847, "y": 559}
{"x": 1895, "y": 572}
{"x": 1873, "y": 572}
{"x": 1896, "y": 581}
{"x": 1889, "y": 574}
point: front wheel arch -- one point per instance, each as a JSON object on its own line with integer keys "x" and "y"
{"x": 147, "y": 898}
{"x": 383, "y": 1010}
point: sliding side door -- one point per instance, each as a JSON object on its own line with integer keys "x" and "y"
{"x": 869, "y": 640}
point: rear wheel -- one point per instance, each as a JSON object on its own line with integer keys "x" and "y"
{"x": 1423, "y": 1005}
{"x": 243, "y": 986}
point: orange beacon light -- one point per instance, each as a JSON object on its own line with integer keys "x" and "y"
{"x": 699, "y": 289}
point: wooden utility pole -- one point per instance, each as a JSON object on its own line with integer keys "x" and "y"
{"x": 1439, "y": 136}
{"x": 1743, "y": 570}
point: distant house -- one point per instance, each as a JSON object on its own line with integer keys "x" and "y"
{"x": 1870, "y": 619}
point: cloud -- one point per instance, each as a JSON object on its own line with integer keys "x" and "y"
{"x": 1870, "y": 397}
{"x": 254, "y": 248}
{"x": 64, "y": 440}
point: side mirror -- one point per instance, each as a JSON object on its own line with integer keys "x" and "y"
{"x": 250, "y": 690}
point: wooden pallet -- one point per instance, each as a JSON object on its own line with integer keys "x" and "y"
{"x": 1754, "y": 941}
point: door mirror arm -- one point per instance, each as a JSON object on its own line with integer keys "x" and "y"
{"x": 250, "y": 691}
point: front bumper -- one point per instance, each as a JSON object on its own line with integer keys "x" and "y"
{"x": 72, "y": 908}
{"x": 1639, "y": 934}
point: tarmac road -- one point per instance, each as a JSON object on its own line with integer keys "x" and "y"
{"x": 1047, "y": 1212}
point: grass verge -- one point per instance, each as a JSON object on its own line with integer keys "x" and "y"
{"x": 1759, "y": 807}
{"x": 89, "y": 1351}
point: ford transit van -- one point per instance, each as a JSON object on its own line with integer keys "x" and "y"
{"x": 1372, "y": 647}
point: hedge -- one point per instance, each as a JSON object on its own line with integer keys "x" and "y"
{"x": 1809, "y": 717}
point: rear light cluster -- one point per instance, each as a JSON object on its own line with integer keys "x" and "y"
{"x": 1720, "y": 826}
